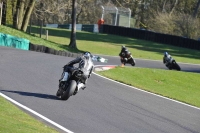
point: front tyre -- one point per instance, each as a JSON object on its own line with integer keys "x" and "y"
{"x": 132, "y": 62}
{"x": 69, "y": 91}
{"x": 177, "y": 67}
{"x": 61, "y": 89}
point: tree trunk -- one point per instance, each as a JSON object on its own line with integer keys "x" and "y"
{"x": 27, "y": 15}
{"x": 137, "y": 14}
{"x": 15, "y": 16}
{"x": 73, "y": 32}
{"x": 1, "y": 11}
{"x": 196, "y": 10}
{"x": 4, "y": 9}
{"x": 21, "y": 14}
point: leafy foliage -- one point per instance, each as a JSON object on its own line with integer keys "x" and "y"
{"x": 169, "y": 14}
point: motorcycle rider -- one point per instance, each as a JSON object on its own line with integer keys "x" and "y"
{"x": 124, "y": 55}
{"x": 85, "y": 64}
{"x": 167, "y": 58}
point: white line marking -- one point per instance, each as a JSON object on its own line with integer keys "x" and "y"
{"x": 147, "y": 92}
{"x": 35, "y": 113}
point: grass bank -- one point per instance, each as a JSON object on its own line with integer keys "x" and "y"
{"x": 59, "y": 39}
{"x": 13, "y": 120}
{"x": 181, "y": 86}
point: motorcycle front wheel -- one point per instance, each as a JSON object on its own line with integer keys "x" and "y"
{"x": 62, "y": 86}
{"x": 176, "y": 66}
{"x": 132, "y": 61}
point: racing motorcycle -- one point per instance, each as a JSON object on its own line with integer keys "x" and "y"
{"x": 172, "y": 65}
{"x": 68, "y": 83}
{"x": 128, "y": 60}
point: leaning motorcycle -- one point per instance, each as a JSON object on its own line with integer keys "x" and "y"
{"x": 173, "y": 65}
{"x": 68, "y": 83}
{"x": 129, "y": 60}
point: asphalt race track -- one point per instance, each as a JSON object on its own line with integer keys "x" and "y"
{"x": 31, "y": 78}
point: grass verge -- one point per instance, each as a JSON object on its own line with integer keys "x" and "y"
{"x": 176, "y": 85}
{"x": 13, "y": 120}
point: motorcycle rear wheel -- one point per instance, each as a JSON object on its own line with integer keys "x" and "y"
{"x": 69, "y": 91}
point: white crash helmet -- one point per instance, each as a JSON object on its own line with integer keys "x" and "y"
{"x": 87, "y": 55}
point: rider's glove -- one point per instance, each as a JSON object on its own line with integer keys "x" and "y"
{"x": 125, "y": 59}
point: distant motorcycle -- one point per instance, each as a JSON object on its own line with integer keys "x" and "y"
{"x": 68, "y": 86}
{"x": 173, "y": 65}
{"x": 129, "y": 60}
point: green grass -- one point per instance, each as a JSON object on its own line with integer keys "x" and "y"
{"x": 181, "y": 86}
{"x": 111, "y": 45}
{"x": 13, "y": 120}
{"x": 33, "y": 38}
{"x": 59, "y": 39}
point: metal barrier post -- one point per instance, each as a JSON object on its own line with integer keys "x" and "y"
{"x": 47, "y": 34}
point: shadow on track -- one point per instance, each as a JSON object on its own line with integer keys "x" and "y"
{"x": 45, "y": 96}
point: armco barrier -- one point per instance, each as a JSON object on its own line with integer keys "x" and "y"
{"x": 89, "y": 28}
{"x": 64, "y": 26}
{"x": 12, "y": 41}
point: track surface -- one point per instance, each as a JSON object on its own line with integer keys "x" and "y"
{"x": 31, "y": 78}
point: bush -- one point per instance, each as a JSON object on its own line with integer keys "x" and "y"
{"x": 177, "y": 24}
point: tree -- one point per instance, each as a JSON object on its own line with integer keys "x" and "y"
{"x": 53, "y": 11}
{"x": 22, "y": 13}
{"x": 196, "y": 9}
{"x": 73, "y": 32}
{"x": 3, "y": 12}
{"x": 27, "y": 15}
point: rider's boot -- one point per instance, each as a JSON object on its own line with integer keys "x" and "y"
{"x": 81, "y": 86}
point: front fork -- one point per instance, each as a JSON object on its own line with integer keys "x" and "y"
{"x": 65, "y": 76}
{"x": 63, "y": 81}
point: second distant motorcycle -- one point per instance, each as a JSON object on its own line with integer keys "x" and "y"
{"x": 170, "y": 63}
{"x": 126, "y": 57}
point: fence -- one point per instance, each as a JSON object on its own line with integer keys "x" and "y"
{"x": 151, "y": 36}
{"x": 132, "y": 33}
{"x": 81, "y": 27}
{"x": 61, "y": 33}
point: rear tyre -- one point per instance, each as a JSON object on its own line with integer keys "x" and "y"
{"x": 69, "y": 91}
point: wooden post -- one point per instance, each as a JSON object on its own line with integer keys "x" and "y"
{"x": 47, "y": 34}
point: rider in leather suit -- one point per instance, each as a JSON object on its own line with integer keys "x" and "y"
{"x": 85, "y": 64}
{"x": 166, "y": 59}
{"x": 124, "y": 55}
